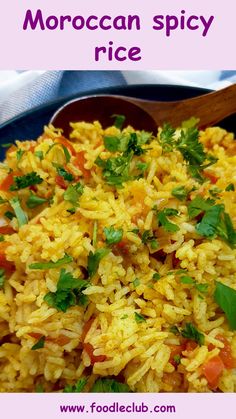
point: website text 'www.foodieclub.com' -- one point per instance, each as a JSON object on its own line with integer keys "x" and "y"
{"x": 116, "y": 407}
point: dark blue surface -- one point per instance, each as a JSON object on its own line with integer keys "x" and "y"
{"x": 30, "y": 124}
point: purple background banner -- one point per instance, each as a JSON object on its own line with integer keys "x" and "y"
{"x": 196, "y": 34}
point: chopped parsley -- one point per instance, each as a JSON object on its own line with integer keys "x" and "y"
{"x": 188, "y": 144}
{"x": 21, "y": 182}
{"x": 202, "y": 288}
{"x": 9, "y": 215}
{"x": 119, "y": 121}
{"x": 215, "y": 192}
{"x": 39, "y": 154}
{"x": 34, "y": 201}
{"x": 52, "y": 265}
{"x": 76, "y": 388}
{"x": 39, "y": 344}
{"x": 21, "y": 216}
{"x": 136, "y": 282}
{"x": 139, "y": 318}
{"x": 199, "y": 205}
{"x": 190, "y": 123}
{"x": 216, "y": 222}
{"x": 94, "y": 260}
{"x": 2, "y": 278}
{"x": 148, "y": 237}
{"x": 6, "y": 145}
{"x": 156, "y": 276}
{"x": 116, "y": 169}
{"x": 177, "y": 359}
{"x": 69, "y": 292}
{"x": 113, "y": 236}
{"x": 230, "y": 187}
{"x": 141, "y": 166}
{"x": 225, "y": 297}
{"x": 1, "y": 238}
{"x": 63, "y": 173}
{"x": 163, "y": 220}
{"x": 190, "y": 332}
{"x": 180, "y": 193}
{"x": 95, "y": 233}
{"x": 73, "y": 193}
{"x": 109, "y": 385}
{"x": 19, "y": 154}
{"x": 174, "y": 330}
{"x": 2, "y": 200}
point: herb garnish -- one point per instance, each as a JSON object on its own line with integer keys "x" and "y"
{"x": 113, "y": 236}
{"x": 63, "y": 173}
{"x": 76, "y": 388}
{"x": 148, "y": 237}
{"x": 139, "y": 318}
{"x": 21, "y": 216}
{"x": 52, "y": 265}
{"x": 39, "y": 344}
{"x": 39, "y": 154}
{"x": 73, "y": 193}
{"x": 225, "y": 297}
{"x": 180, "y": 193}
{"x": 230, "y": 187}
{"x": 109, "y": 385}
{"x": 119, "y": 121}
{"x": 163, "y": 220}
{"x": 190, "y": 332}
{"x": 2, "y": 277}
{"x": 94, "y": 260}
{"x": 21, "y": 182}
{"x": 68, "y": 293}
{"x": 19, "y": 154}
{"x": 34, "y": 201}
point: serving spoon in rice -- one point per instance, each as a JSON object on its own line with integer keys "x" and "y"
{"x": 147, "y": 114}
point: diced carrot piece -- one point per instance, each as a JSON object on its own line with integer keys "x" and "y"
{"x": 212, "y": 370}
{"x": 90, "y": 349}
{"x": 6, "y": 230}
{"x": 211, "y": 177}
{"x": 191, "y": 345}
{"x": 7, "y": 182}
{"x": 35, "y": 335}
{"x": 60, "y": 182}
{"x": 5, "y": 264}
{"x": 226, "y": 353}
{"x": 80, "y": 162}
{"x": 67, "y": 144}
{"x": 86, "y": 328}
{"x": 61, "y": 340}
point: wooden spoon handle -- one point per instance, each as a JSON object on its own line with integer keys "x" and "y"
{"x": 210, "y": 108}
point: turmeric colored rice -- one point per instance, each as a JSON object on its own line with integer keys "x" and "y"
{"x": 117, "y": 261}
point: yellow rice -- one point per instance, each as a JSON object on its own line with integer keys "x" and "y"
{"x": 140, "y": 353}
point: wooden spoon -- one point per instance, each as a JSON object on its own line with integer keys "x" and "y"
{"x": 146, "y": 114}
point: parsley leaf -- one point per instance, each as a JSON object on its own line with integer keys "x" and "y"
{"x": 21, "y": 182}
{"x": 21, "y": 216}
{"x": 73, "y": 193}
{"x": 109, "y": 385}
{"x": 19, "y": 154}
{"x": 119, "y": 121}
{"x": 116, "y": 169}
{"x": 9, "y": 215}
{"x": 198, "y": 205}
{"x": 39, "y": 154}
{"x": 190, "y": 123}
{"x": 94, "y": 260}
{"x": 63, "y": 173}
{"x": 225, "y": 297}
{"x": 190, "y": 147}
{"x": 68, "y": 293}
{"x": 136, "y": 282}
{"x": 113, "y": 236}
{"x": 230, "y": 187}
{"x": 190, "y": 332}
{"x": 148, "y": 237}
{"x": 156, "y": 276}
{"x": 51, "y": 265}
{"x": 180, "y": 193}
{"x": 34, "y": 201}
{"x": 39, "y": 344}
{"x": 139, "y": 318}
{"x": 163, "y": 220}
{"x": 2, "y": 278}
{"x": 167, "y": 140}
{"x": 76, "y": 388}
